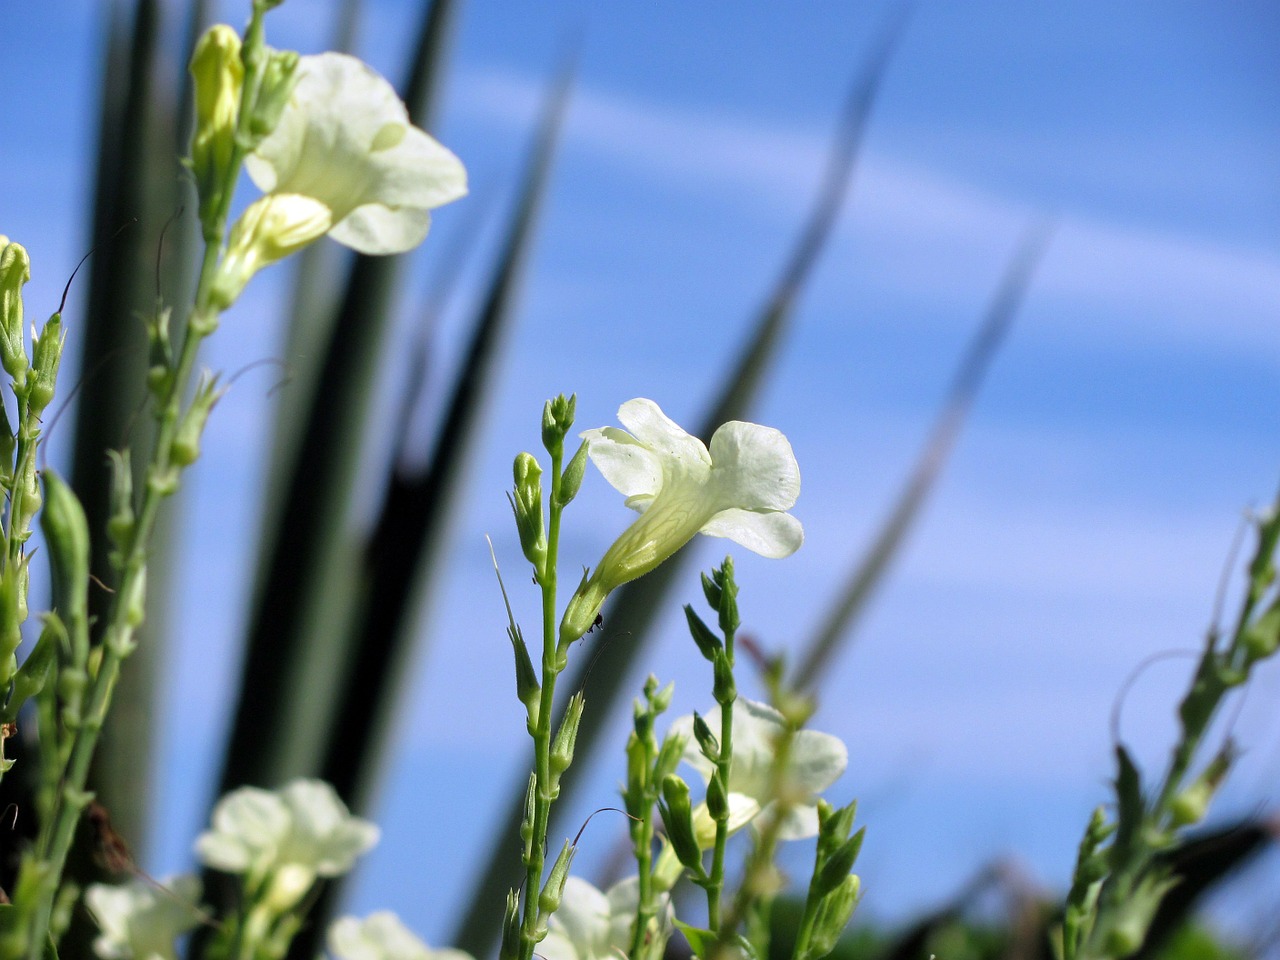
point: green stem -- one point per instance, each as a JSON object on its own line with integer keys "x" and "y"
{"x": 542, "y": 795}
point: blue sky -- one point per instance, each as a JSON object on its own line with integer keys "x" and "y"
{"x": 1088, "y": 510}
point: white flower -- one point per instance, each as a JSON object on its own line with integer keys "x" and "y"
{"x": 139, "y": 922}
{"x": 591, "y": 925}
{"x": 817, "y": 760}
{"x": 292, "y": 835}
{"x": 343, "y": 160}
{"x": 381, "y": 936}
{"x": 740, "y": 489}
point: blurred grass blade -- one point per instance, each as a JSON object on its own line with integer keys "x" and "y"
{"x": 313, "y": 305}
{"x": 295, "y": 649}
{"x": 869, "y": 572}
{"x": 134, "y": 186}
{"x": 602, "y": 667}
{"x": 400, "y": 560}
{"x": 410, "y": 532}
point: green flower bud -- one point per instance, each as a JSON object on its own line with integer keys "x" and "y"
{"x": 707, "y": 742}
{"x": 185, "y": 449}
{"x": 566, "y": 738}
{"x": 527, "y": 687}
{"x": 728, "y": 605}
{"x": 571, "y": 479}
{"x": 218, "y": 78}
{"x": 526, "y": 825}
{"x": 553, "y": 889}
{"x": 526, "y": 503}
{"x": 11, "y": 620}
{"x": 121, "y": 522}
{"x": 66, "y": 533}
{"x": 709, "y": 644}
{"x": 717, "y": 798}
{"x": 723, "y": 688}
{"x": 834, "y": 913}
{"x": 1261, "y": 638}
{"x": 834, "y": 825}
{"x": 711, "y": 590}
{"x": 279, "y": 76}
{"x": 669, "y": 755}
{"x": 557, "y": 418}
{"x": 46, "y": 350}
{"x": 677, "y": 817}
{"x": 1191, "y": 805}
{"x": 160, "y": 355}
{"x": 15, "y": 271}
{"x": 511, "y": 927}
{"x": 836, "y": 870}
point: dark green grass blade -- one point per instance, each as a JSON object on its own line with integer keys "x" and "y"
{"x": 293, "y": 654}
{"x": 602, "y": 667}
{"x": 135, "y": 181}
{"x": 411, "y": 532}
{"x": 869, "y": 572}
{"x": 411, "y": 528}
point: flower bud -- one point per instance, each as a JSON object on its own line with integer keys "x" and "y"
{"x": 185, "y": 449}
{"x": 580, "y": 615}
{"x": 553, "y": 889}
{"x": 66, "y": 533}
{"x": 833, "y": 915}
{"x": 15, "y": 271}
{"x": 717, "y": 798}
{"x": 279, "y": 76}
{"x": 46, "y": 350}
{"x": 557, "y": 418}
{"x": 707, "y": 742}
{"x": 677, "y": 817}
{"x": 836, "y": 870}
{"x": 1190, "y": 806}
{"x": 527, "y": 687}
{"x": 511, "y": 927}
{"x": 728, "y": 605}
{"x": 566, "y": 738}
{"x": 526, "y": 503}
{"x": 218, "y": 77}
{"x": 120, "y": 524}
{"x": 571, "y": 479}
{"x": 1261, "y": 637}
{"x": 709, "y": 645}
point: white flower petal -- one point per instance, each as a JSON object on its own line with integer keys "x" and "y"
{"x": 755, "y": 467}
{"x": 660, "y": 433}
{"x": 630, "y": 467}
{"x": 773, "y": 535}
{"x": 817, "y": 759}
{"x": 378, "y": 230}
{"x": 381, "y": 936}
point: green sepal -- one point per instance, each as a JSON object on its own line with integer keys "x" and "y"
{"x": 717, "y": 798}
{"x": 1261, "y": 638}
{"x": 526, "y": 825}
{"x": 834, "y": 825}
{"x": 709, "y": 645}
{"x": 279, "y": 77}
{"x": 669, "y": 755}
{"x": 1129, "y": 804}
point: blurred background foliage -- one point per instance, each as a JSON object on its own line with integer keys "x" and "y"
{"x": 350, "y": 554}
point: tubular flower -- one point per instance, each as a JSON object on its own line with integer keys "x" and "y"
{"x": 344, "y": 160}
{"x": 381, "y": 936}
{"x": 286, "y": 838}
{"x": 817, "y": 760}
{"x": 139, "y": 922}
{"x": 739, "y": 489}
{"x": 595, "y": 925}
